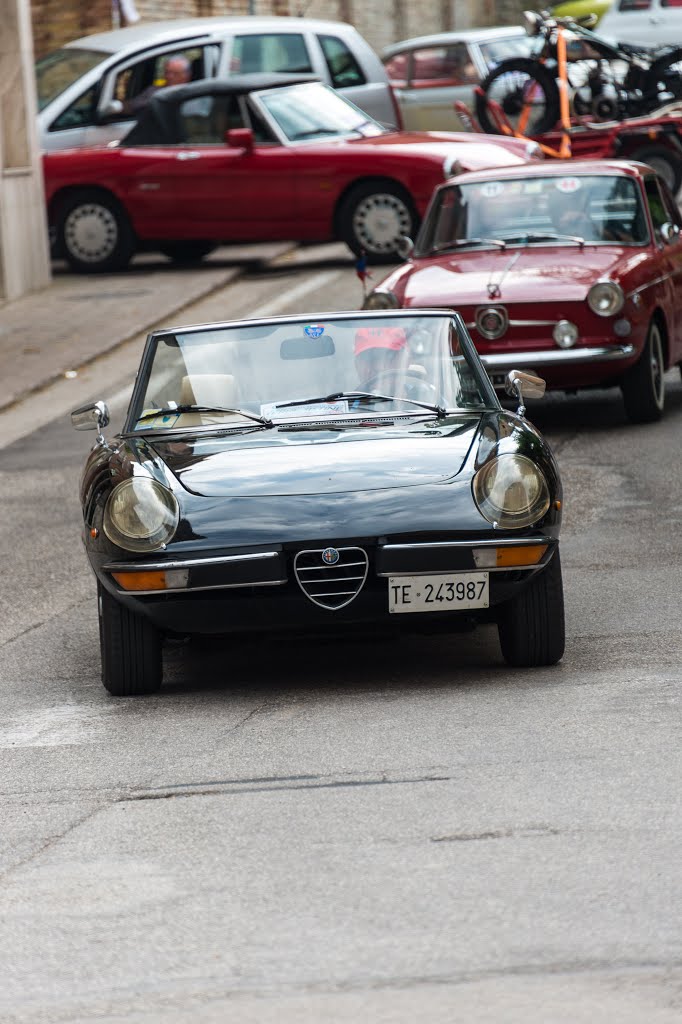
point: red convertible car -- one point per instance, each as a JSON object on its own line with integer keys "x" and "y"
{"x": 254, "y": 158}
{"x": 573, "y": 271}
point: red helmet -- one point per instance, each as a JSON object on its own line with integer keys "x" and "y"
{"x": 392, "y": 338}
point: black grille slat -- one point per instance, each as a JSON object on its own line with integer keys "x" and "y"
{"x": 340, "y": 580}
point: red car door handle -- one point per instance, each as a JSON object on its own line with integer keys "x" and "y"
{"x": 188, "y": 155}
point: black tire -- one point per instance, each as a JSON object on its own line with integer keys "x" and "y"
{"x": 94, "y": 233}
{"x": 373, "y": 217}
{"x": 130, "y": 647}
{"x": 531, "y": 626}
{"x": 187, "y": 253}
{"x": 508, "y": 84}
{"x": 664, "y": 75}
{"x": 664, "y": 162}
{"x": 643, "y": 386}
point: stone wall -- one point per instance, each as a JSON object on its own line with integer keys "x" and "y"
{"x": 380, "y": 21}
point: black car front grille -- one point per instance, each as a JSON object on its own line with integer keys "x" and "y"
{"x": 331, "y": 577}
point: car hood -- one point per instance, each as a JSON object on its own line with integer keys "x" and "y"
{"x": 473, "y": 151}
{"x": 534, "y": 274}
{"x": 297, "y": 462}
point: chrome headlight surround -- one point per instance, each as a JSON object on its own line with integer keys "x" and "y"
{"x": 381, "y": 300}
{"x": 605, "y": 298}
{"x": 511, "y": 492}
{"x": 141, "y": 514}
{"x": 532, "y": 23}
{"x": 565, "y": 334}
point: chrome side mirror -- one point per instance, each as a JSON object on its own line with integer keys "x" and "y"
{"x": 91, "y": 417}
{"x": 669, "y": 232}
{"x": 404, "y": 247}
{"x": 521, "y": 385}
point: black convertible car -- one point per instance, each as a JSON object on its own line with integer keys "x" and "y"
{"x": 333, "y": 471}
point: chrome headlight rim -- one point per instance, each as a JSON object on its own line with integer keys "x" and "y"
{"x": 155, "y": 507}
{"x": 565, "y": 334}
{"x": 518, "y": 470}
{"x": 609, "y": 290}
{"x": 381, "y": 300}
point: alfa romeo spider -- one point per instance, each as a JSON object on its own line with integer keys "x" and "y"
{"x": 327, "y": 473}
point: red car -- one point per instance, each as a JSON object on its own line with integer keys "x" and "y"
{"x": 572, "y": 270}
{"x": 254, "y": 158}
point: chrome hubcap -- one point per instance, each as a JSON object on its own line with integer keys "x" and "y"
{"x": 379, "y": 221}
{"x": 91, "y": 233}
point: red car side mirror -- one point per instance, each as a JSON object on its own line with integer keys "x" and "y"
{"x": 240, "y": 138}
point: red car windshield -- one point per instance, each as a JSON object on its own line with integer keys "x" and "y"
{"x": 566, "y": 209}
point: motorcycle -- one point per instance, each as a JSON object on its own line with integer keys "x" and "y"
{"x": 605, "y": 81}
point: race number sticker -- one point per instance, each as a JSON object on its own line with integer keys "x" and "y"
{"x": 314, "y": 330}
{"x": 490, "y": 189}
{"x": 568, "y": 185}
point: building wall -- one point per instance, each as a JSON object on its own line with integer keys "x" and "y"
{"x": 24, "y": 252}
{"x": 380, "y": 21}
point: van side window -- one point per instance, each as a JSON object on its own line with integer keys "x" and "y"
{"x": 147, "y": 75}
{"x": 79, "y": 114}
{"x": 285, "y": 52}
{"x": 634, "y": 5}
{"x": 344, "y": 70}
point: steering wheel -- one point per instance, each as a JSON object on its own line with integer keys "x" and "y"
{"x": 420, "y": 389}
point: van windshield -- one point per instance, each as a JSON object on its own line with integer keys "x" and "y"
{"x": 61, "y": 68}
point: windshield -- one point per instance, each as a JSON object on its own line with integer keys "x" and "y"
{"x": 314, "y": 111}
{"x": 275, "y": 372}
{"x": 60, "y": 69}
{"x": 558, "y": 209}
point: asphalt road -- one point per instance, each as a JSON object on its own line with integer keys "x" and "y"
{"x": 309, "y": 831}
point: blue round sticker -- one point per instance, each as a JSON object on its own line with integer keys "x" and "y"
{"x": 314, "y": 330}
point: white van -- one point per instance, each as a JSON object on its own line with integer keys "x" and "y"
{"x": 649, "y": 22}
{"x": 83, "y": 86}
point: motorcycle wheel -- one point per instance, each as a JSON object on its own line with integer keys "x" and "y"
{"x": 514, "y": 84}
{"x": 664, "y": 75}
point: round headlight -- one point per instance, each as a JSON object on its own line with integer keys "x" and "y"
{"x": 565, "y": 334}
{"x": 511, "y": 491}
{"x": 605, "y": 298}
{"x": 380, "y": 300}
{"x": 141, "y": 514}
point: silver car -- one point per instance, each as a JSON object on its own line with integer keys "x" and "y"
{"x": 429, "y": 73}
{"x": 85, "y": 87}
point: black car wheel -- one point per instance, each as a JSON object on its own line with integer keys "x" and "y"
{"x": 186, "y": 253}
{"x": 664, "y": 162}
{"x": 643, "y": 386}
{"x": 531, "y": 626}
{"x": 374, "y": 217}
{"x": 94, "y": 233}
{"x": 522, "y": 87}
{"x": 130, "y": 647}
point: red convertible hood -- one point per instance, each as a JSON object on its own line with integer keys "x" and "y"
{"x": 310, "y": 463}
{"x": 472, "y": 150}
{"x": 537, "y": 274}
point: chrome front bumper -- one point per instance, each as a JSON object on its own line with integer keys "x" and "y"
{"x": 557, "y": 357}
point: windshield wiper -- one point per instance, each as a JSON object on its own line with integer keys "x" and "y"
{"x": 460, "y": 243}
{"x": 179, "y": 409}
{"x": 438, "y": 409}
{"x": 548, "y": 236}
{"x": 315, "y": 131}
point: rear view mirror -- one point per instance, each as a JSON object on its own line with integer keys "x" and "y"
{"x": 307, "y": 348}
{"x": 522, "y": 385}
{"x": 404, "y": 247}
{"x": 90, "y": 417}
{"x": 114, "y": 108}
{"x": 240, "y": 138}
{"x": 669, "y": 232}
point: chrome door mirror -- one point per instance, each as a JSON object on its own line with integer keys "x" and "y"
{"x": 91, "y": 417}
{"x": 521, "y": 385}
{"x": 404, "y": 247}
{"x": 669, "y": 232}
{"x": 114, "y": 108}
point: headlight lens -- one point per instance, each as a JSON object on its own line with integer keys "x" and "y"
{"x": 565, "y": 334}
{"x": 511, "y": 491}
{"x": 380, "y": 300}
{"x": 141, "y": 514}
{"x": 605, "y": 298}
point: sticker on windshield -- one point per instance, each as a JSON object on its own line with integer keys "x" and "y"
{"x": 568, "y": 185}
{"x": 490, "y": 189}
{"x": 314, "y": 330}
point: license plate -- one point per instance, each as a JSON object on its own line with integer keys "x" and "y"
{"x": 441, "y": 593}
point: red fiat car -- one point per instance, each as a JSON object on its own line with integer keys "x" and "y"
{"x": 570, "y": 270}
{"x": 254, "y": 158}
